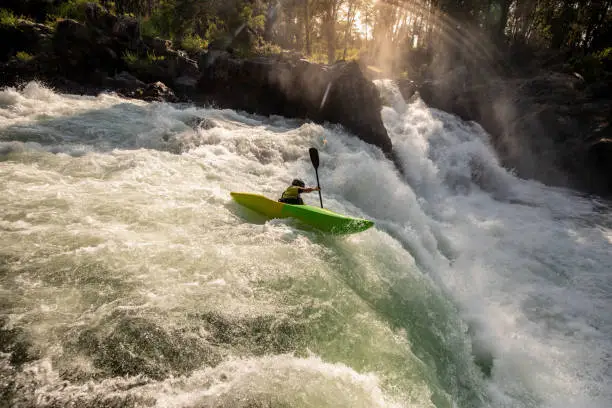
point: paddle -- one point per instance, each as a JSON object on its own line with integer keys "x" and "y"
{"x": 314, "y": 158}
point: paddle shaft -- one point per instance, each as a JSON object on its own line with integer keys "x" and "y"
{"x": 320, "y": 198}
{"x": 314, "y": 158}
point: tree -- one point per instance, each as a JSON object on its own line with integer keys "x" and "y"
{"x": 330, "y": 15}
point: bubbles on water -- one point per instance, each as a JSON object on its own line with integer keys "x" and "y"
{"x": 124, "y": 256}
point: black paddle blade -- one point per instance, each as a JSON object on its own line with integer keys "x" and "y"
{"x": 314, "y": 157}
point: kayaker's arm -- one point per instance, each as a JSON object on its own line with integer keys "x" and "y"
{"x": 309, "y": 189}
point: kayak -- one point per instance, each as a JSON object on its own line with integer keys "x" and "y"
{"x": 320, "y": 218}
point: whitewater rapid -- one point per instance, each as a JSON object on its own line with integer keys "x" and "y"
{"x": 128, "y": 277}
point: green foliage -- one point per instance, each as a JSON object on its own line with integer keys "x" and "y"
{"x": 74, "y": 9}
{"x": 593, "y": 66}
{"x": 149, "y": 28}
{"x": 52, "y": 20}
{"x": 258, "y": 22}
{"x": 351, "y": 54}
{"x": 267, "y": 49}
{"x": 24, "y": 56}
{"x": 151, "y": 57}
{"x": 193, "y": 43}
{"x": 136, "y": 61}
{"x": 214, "y": 32}
{"x": 246, "y": 14}
{"x": 130, "y": 58}
{"x": 163, "y": 22}
{"x": 7, "y": 18}
{"x": 605, "y": 54}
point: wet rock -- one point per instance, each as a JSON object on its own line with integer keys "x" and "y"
{"x": 25, "y": 36}
{"x": 152, "y": 92}
{"x": 354, "y": 102}
{"x": 267, "y": 86}
{"x": 186, "y": 81}
{"x": 599, "y": 162}
{"x": 407, "y": 88}
{"x": 159, "y": 92}
{"x": 158, "y": 45}
{"x": 80, "y": 51}
{"x": 125, "y": 81}
{"x": 202, "y": 123}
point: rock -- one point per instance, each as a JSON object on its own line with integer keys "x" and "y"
{"x": 25, "y": 36}
{"x": 97, "y": 16}
{"x": 338, "y": 94}
{"x": 99, "y": 43}
{"x": 165, "y": 68}
{"x": 17, "y": 71}
{"x": 201, "y": 123}
{"x": 207, "y": 59}
{"x": 159, "y": 92}
{"x": 355, "y": 102}
{"x": 186, "y": 81}
{"x": 153, "y": 92}
{"x": 599, "y": 164}
{"x": 124, "y": 81}
{"x": 186, "y": 86}
{"x": 181, "y": 65}
{"x": 81, "y": 51}
{"x": 407, "y": 88}
{"x": 158, "y": 45}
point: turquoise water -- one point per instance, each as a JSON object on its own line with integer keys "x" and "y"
{"x": 128, "y": 276}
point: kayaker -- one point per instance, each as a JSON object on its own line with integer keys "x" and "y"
{"x": 292, "y": 194}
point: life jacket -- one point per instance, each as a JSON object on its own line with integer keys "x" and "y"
{"x": 291, "y": 193}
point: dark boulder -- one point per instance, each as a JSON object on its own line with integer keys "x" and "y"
{"x": 407, "y": 88}
{"x": 153, "y": 92}
{"x": 124, "y": 81}
{"x": 599, "y": 163}
{"x": 159, "y": 92}
{"x": 81, "y": 50}
{"x": 100, "y": 43}
{"x": 158, "y": 45}
{"x": 25, "y": 36}
{"x": 355, "y": 102}
{"x": 337, "y": 94}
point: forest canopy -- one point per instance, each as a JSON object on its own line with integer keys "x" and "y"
{"x": 377, "y": 30}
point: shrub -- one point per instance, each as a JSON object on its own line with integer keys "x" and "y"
{"x": 151, "y": 57}
{"x": 605, "y": 57}
{"x": 266, "y": 48}
{"x": 148, "y": 28}
{"x": 24, "y": 56}
{"x": 135, "y": 61}
{"x": 593, "y": 66}
{"x": 351, "y": 54}
{"x": 130, "y": 58}
{"x": 7, "y": 18}
{"x": 193, "y": 43}
{"x": 74, "y": 9}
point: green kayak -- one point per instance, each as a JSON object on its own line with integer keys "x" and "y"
{"x": 320, "y": 218}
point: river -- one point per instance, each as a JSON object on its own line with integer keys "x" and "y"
{"x": 129, "y": 278}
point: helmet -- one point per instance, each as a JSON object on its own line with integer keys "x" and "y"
{"x": 298, "y": 182}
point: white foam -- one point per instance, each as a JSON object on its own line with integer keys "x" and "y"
{"x": 140, "y": 205}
